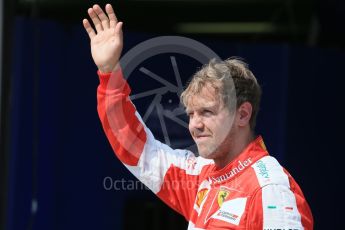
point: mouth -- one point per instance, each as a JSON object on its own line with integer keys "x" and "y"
{"x": 201, "y": 137}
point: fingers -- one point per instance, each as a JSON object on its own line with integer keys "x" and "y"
{"x": 88, "y": 28}
{"x": 95, "y": 19}
{"x": 111, "y": 15}
{"x": 100, "y": 19}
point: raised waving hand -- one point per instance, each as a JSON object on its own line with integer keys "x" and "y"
{"x": 106, "y": 39}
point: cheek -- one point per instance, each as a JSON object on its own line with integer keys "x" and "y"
{"x": 222, "y": 128}
{"x": 190, "y": 128}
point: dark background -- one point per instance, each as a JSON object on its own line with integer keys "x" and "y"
{"x": 56, "y": 164}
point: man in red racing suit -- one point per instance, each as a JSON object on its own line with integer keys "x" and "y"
{"x": 221, "y": 189}
{"x": 252, "y": 192}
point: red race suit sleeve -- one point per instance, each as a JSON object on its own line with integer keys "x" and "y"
{"x": 173, "y": 175}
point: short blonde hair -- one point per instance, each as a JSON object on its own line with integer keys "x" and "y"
{"x": 224, "y": 77}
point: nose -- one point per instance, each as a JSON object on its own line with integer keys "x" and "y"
{"x": 195, "y": 122}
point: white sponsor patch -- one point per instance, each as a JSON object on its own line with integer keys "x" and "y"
{"x": 231, "y": 211}
{"x": 269, "y": 171}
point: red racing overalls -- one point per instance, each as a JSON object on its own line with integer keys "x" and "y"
{"x": 252, "y": 192}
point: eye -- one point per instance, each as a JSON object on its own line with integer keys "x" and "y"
{"x": 207, "y": 112}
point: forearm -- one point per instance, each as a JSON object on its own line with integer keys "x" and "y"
{"x": 124, "y": 131}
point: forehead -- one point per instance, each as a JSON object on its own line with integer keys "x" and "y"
{"x": 207, "y": 97}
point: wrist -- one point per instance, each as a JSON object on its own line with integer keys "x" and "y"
{"x": 109, "y": 69}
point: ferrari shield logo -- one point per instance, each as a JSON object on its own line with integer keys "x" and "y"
{"x": 222, "y": 195}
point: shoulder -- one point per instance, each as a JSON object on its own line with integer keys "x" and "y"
{"x": 268, "y": 171}
{"x": 273, "y": 195}
{"x": 275, "y": 184}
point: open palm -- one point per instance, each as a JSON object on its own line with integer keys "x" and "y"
{"x": 106, "y": 41}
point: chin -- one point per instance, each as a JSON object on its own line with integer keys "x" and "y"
{"x": 206, "y": 153}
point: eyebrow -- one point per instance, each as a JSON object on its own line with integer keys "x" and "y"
{"x": 202, "y": 107}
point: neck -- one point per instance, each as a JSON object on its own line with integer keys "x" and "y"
{"x": 238, "y": 143}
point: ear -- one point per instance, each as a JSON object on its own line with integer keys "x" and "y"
{"x": 244, "y": 113}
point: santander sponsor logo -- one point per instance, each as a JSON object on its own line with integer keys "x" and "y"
{"x": 240, "y": 166}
